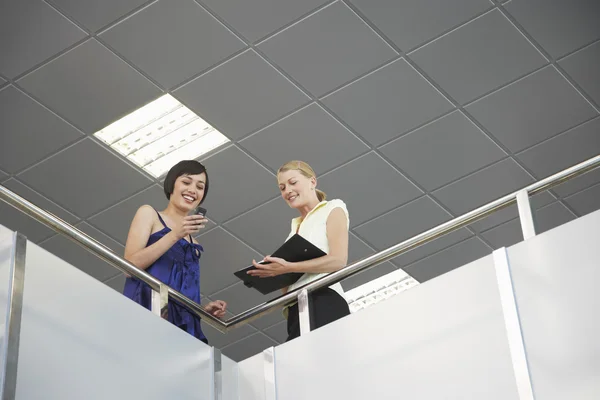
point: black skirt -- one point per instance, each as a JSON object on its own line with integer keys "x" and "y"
{"x": 324, "y": 305}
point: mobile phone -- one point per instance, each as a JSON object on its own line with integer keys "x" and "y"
{"x": 199, "y": 211}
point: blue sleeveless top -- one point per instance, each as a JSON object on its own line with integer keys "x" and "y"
{"x": 179, "y": 268}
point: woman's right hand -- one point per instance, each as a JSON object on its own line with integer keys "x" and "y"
{"x": 190, "y": 225}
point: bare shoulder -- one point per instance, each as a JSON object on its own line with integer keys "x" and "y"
{"x": 146, "y": 209}
{"x": 146, "y": 215}
{"x": 337, "y": 214}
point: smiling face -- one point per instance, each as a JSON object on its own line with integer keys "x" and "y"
{"x": 188, "y": 191}
{"x": 296, "y": 189}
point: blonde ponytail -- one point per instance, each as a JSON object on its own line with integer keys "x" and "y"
{"x": 321, "y": 195}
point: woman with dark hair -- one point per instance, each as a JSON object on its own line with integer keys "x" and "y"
{"x": 162, "y": 244}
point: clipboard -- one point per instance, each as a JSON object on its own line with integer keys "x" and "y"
{"x": 295, "y": 249}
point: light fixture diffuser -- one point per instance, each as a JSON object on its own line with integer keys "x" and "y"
{"x": 382, "y": 288}
{"x": 160, "y": 134}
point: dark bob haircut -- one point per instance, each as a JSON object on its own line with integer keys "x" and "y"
{"x": 185, "y": 167}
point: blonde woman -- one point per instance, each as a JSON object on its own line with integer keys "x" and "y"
{"x": 323, "y": 223}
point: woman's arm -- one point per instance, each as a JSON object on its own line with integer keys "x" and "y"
{"x": 140, "y": 230}
{"x": 337, "y": 237}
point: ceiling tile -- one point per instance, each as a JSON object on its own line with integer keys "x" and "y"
{"x": 30, "y": 131}
{"x": 272, "y": 219}
{"x": 532, "y": 109}
{"x": 483, "y": 186}
{"x": 403, "y": 223}
{"x": 327, "y": 49}
{"x": 82, "y": 258}
{"x": 31, "y": 32}
{"x": 369, "y": 186}
{"x": 432, "y": 247}
{"x": 582, "y": 67}
{"x": 228, "y": 170}
{"x": 255, "y": 19}
{"x": 447, "y": 260}
{"x": 100, "y": 179}
{"x": 577, "y": 184}
{"x": 117, "y": 283}
{"x": 585, "y": 201}
{"x": 367, "y": 276}
{"x": 406, "y": 222}
{"x": 3, "y": 176}
{"x": 478, "y": 57}
{"x": 551, "y": 216}
{"x": 358, "y": 249}
{"x": 36, "y": 199}
{"x": 443, "y": 151}
{"x": 504, "y": 235}
{"x": 506, "y": 214}
{"x": 388, "y": 102}
{"x": 95, "y": 14}
{"x": 172, "y": 40}
{"x": 116, "y": 220}
{"x": 312, "y": 132}
{"x": 223, "y": 255}
{"x": 65, "y": 86}
{"x": 546, "y": 218}
{"x": 248, "y": 347}
{"x": 247, "y": 84}
{"x": 278, "y": 332}
{"x": 240, "y": 298}
{"x": 551, "y": 156}
{"x": 2, "y": 81}
{"x": 18, "y": 221}
{"x": 409, "y": 23}
{"x": 559, "y": 26}
{"x": 220, "y": 340}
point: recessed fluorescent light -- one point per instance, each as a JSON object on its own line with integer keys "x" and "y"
{"x": 382, "y": 288}
{"x": 160, "y": 134}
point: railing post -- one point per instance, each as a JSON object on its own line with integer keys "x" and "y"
{"x": 13, "y": 317}
{"x": 525, "y": 214}
{"x": 160, "y": 300}
{"x": 303, "y": 311}
{"x": 217, "y": 373}
{"x": 512, "y": 323}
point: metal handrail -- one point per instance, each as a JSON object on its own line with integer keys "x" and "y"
{"x": 247, "y": 316}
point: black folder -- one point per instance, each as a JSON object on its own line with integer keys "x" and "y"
{"x": 294, "y": 250}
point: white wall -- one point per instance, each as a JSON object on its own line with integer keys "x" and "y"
{"x": 556, "y": 277}
{"x": 229, "y": 375}
{"x": 82, "y": 340}
{"x": 251, "y": 378}
{"x": 444, "y": 339}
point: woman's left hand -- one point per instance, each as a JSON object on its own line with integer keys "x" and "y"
{"x": 216, "y": 308}
{"x": 277, "y": 266}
